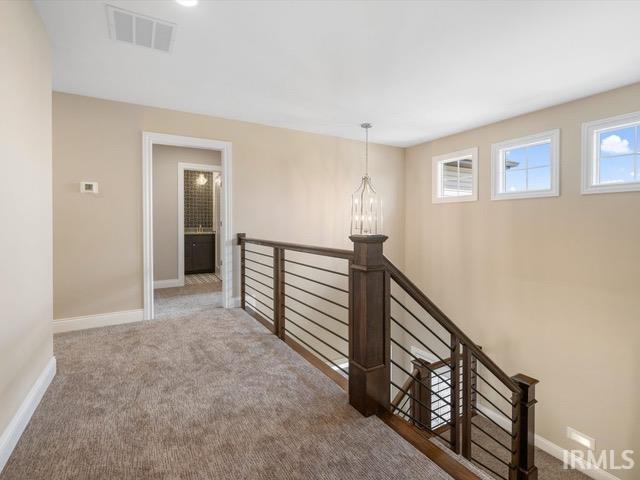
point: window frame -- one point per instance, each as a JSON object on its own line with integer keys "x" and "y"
{"x": 497, "y": 165}
{"x": 591, "y": 158}
{"x": 436, "y": 183}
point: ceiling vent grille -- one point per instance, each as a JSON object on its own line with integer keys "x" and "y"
{"x": 136, "y": 29}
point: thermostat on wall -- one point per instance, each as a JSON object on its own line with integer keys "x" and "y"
{"x": 89, "y": 187}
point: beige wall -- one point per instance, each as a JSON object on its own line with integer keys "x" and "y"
{"x": 549, "y": 287}
{"x": 165, "y": 203}
{"x": 25, "y": 204}
{"x": 287, "y": 185}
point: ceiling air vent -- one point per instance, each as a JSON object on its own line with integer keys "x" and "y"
{"x": 136, "y": 29}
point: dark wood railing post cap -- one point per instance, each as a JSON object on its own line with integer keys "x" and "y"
{"x": 527, "y": 386}
{"x": 420, "y": 363}
{"x": 241, "y": 237}
{"x": 368, "y": 238}
{"x": 524, "y": 380}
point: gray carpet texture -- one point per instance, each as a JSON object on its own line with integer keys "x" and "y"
{"x": 209, "y": 395}
{"x": 180, "y": 302}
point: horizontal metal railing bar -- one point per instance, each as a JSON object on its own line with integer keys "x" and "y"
{"x": 258, "y": 253}
{"x": 406, "y": 392}
{"x": 446, "y": 344}
{"x": 440, "y": 408}
{"x": 264, "y": 315}
{"x": 254, "y": 289}
{"x": 316, "y": 337}
{"x": 488, "y": 468}
{"x": 416, "y": 379}
{"x": 317, "y": 268}
{"x": 259, "y": 263}
{"x": 494, "y": 388}
{"x": 258, "y": 281}
{"x": 400, "y": 395}
{"x": 317, "y": 310}
{"x": 404, "y": 404}
{"x": 257, "y": 271}
{"x": 508, "y": 417}
{"x": 492, "y": 437}
{"x": 323, "y": 251}
{"x": 418, "y": 340}
{"x": 430, "y": 429}
{"x": 490, "y": 453}
{"x": 259, "y": 301}
{"x": 425, "y": 302}
{"x": 416, "y": 358}
{"x": 401, "y": 413}
{"x": 495, "y": 423}
{"x": 316, "y": 281}
{"x": 317, "y": 324}
{"x": 316, "y": 295}
{"x": 288, "y": 332}
{"x": 418, "y": 421}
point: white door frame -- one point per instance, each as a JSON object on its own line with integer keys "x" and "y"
{"x": 198, "y": 167}
{"x": 149, "y": 139}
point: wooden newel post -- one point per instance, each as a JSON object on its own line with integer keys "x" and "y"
{"x": 369, "y": 340}
{"x": 241, "y": 237}
{"x": 523, "y": 443}
{"x": 421, "y": 394}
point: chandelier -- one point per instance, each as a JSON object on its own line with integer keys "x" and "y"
{"x": 366, "y": 206}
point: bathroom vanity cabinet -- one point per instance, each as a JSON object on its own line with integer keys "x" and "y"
{"x": 199, "y": 253}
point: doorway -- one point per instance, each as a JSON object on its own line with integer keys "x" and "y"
{"x": 168, "y": 284}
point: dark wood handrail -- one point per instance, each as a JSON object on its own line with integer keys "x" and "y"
{"x": 324, "y": 251}
{"x": 425, "y": 302}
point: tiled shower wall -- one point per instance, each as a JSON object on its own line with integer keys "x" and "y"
{"x": 198, "y": 200}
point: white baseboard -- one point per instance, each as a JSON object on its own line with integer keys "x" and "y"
{"x": 235, "y": 302}
{"x": 171, "y": 283}
{"x": 99, "y": 320}
{"x": 590, "y": 470}
{"x": 11, "y": 435}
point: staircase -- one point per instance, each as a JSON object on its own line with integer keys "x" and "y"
{"x": 359, "y": 319}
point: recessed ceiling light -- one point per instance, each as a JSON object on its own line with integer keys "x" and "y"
{"x": 187, "y": 3}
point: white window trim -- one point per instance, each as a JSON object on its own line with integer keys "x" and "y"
{"x": 590, "y": 132}
{"x": 435, "y": 176}
{"x": 497, "y": 166}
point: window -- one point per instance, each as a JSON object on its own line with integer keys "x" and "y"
{"x": 455, "y": 177}
{"x": 611, "y": 154}
{"x": 526, "y": 167}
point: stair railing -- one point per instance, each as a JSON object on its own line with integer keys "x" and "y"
{"x": 404, "y": 355}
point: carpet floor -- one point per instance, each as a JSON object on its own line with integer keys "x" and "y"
{"x": 209, "y": 395}
{"x": 195, "y": 296}
{"x": 199, "y": 278}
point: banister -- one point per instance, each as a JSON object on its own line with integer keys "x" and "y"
{"x": 324, "y": 251}
{"x": 369, "y": 353}
{"x": 425, "y": 302}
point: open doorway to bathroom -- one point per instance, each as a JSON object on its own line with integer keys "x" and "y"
{"x": 186, "y": 231}
{"x": 226, "y": 241}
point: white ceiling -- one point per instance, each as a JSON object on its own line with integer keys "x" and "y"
{"x": 416, "y": 70}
